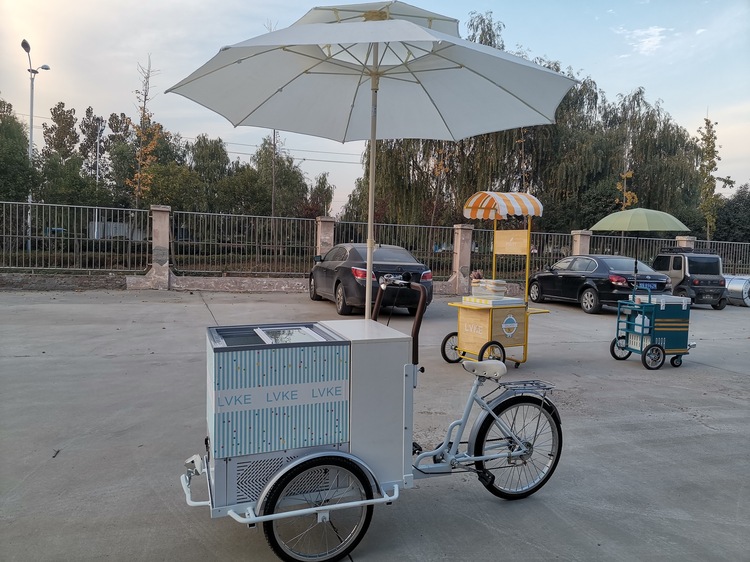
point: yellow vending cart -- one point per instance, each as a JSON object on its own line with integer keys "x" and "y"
{"x": 491, "y": 325}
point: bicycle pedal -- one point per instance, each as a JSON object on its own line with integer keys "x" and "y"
{"x": 416, "y": 448}
{"x": 486, "y": 477}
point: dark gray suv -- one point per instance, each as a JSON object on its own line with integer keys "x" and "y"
{"x": 695, "y": 275}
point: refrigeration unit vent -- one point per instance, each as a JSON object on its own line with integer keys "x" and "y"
{"x": 252, "y": 475}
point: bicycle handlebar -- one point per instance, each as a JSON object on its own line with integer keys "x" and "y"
{"x": 397, "y": 280}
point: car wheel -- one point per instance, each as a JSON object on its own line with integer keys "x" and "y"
{"x": 721, "y": 305}
{"x": 535, "y": 292}
{"x": 313, "y": 292}
{"x": 590, "y": 301}
{"x": 341, "y": 307}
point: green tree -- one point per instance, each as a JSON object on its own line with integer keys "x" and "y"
{"x": 94, "y": 161}
{"x": 60, "y": 137}
{"x": 177, "y": 186}
{"x": 209, "y": 160}
{"x": 710, "y": 201}
{"x": 733, "y": 217}
{"x": 16, "y": 176}
{"x": 281, "y": 177}
{"x": 319, "y": 198}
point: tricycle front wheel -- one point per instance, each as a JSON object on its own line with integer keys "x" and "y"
{"x": 449, "y": 348}
{"x": 326, "y": 536}
{"x": 534, "y": 423}
{"x": 619, "y": 348}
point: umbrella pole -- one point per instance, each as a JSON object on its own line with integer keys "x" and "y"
{"x": 374, "y": 80}
{"x": 528, "y": 259}
{"x": 494, "y": 255}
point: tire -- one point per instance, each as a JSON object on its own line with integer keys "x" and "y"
{"x": 319, "y": 481}
{"x": 536, "y": 425}
{"x": 676, "y": 361}
{"x": 449, "y": 348}
{"x": 535, "y": 292}
{"x": 590, "y": 301}
{"x": 721, "y": 305}
{"x": 618, "y": 348}
{"x": 653, "y": 357}
{"x": 492, "y": 350}
{"x": 413, "y": 310}
{"x": 314, "y": 296}
{"x": 342, "y": 308}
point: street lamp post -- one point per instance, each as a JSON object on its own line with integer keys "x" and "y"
{"x": 32, "y": 75}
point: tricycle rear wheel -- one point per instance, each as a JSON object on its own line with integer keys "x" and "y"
{"x": 315, "y": 483}
{"x": 653, "y": 357}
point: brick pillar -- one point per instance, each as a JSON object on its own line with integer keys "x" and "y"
{"x": 462, "y": 237}
{"x": 324, "y": 234}
{"x": 685, "y": 241}
{"x": 581, "y": 242}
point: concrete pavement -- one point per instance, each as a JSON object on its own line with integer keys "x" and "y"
{"x": 102, "y": 398}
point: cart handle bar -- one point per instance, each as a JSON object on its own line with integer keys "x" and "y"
{"x": 389, "y": 279}
{"x": 251, "y": 518}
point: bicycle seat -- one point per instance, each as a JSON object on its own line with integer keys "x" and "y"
{"x": 490, "y": 368}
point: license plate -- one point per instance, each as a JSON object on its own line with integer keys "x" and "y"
{"x": 647, "y": 285}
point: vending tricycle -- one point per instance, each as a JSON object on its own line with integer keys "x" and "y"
{"x": 653, "y": 326}
{"x": 310, "y": 426}
{"x": 490, "y": 323}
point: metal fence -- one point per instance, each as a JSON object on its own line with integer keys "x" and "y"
{"x": 735, "y": 256}
{"x": 211, "y": 244}
{"x": 432, "y": 245}
{"x": 39, "y": 237}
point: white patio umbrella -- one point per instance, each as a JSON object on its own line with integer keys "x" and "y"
{"x": 369, "y": 77}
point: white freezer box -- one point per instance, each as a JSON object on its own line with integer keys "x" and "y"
{"x": 278, "y": 391}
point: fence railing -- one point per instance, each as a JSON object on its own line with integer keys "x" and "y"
{"x": 39, "y": 237}
{"x": 204, "y": 244}
{"x": 432, "y": 245}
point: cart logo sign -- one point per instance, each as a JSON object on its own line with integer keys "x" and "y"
{"x": 286, "y": 395}
{"x": 510, "y": 325}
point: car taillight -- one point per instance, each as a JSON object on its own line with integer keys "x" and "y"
{"x": 722, "y": 282}
{"x": 618, "y": 280}
{"x": 361, "y": 274}
{"x": 696, "y": 281}
{"x": 426, "y": 276}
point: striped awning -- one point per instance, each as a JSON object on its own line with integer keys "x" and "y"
{"x": 497, "y": 205}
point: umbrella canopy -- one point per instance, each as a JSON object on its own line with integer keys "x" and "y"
{"x": 640, "y": 220}
{"x": 497, "y": 205}
{"x": 369, "y": 78}
{"x": 380, "y": 11}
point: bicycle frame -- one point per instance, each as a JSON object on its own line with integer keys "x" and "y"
{"x": 448, "y": 456}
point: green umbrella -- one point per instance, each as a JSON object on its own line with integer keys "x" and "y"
{"x": 643, "y": 220}
{"x": 639, "y": 220}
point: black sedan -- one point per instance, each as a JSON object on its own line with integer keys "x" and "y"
{"x": 595, "y": 280}
{"x": 341, "y": 274}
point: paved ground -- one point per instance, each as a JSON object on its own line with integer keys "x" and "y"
{"x": 102, "y": 399}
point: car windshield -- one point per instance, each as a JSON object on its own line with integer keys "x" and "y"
{"x": 625, "y": 264}
{"x": 704, "y": 265}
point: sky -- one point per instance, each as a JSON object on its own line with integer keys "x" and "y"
{"x": 691, "y": 56}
